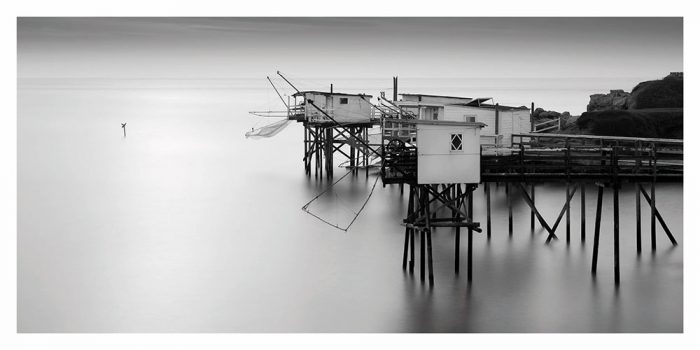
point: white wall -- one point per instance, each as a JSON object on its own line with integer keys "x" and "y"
{"x": 438, "y": 164}
{"x": 483, "y": 115}
{"x": 356, "y": 110}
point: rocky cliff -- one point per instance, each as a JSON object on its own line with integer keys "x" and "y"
{"x": 615, "y": 100}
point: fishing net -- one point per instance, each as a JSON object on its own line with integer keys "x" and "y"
{"x": 340, "y": 204}
{"x": 268, "y": 130}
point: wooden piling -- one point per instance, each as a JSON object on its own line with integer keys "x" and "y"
{"x": 568, "y": 214}
{"x": 532, "y": 212}
{"x": 653, "y": 199}
{"x": 409, "y": 212}
{"x": 488, "y": 210}
{"x": 596, "y": 234}
{"x": 638, "y": 212}
{"x": 616, "y": 231}
{"x": 411, "y": 263}
{"x": 458, "y": 194}
{"x": 470, "y": 234}
{"x": 583, "y": 212}
{"x": 422, "y": 255}
{"x": 510, "y": 210}
{"x": 660, "y": 218}
{"x": 430, "y": 254}
{"x": 353, "y": 164}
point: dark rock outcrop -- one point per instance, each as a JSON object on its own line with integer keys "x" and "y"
{"x": 615, "y": 100}
{"x": 664, "y": 93}
{"x": 652, "y": 123}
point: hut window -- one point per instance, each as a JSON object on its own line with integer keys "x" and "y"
{"x": 343, "y": 100}
{"x": 456, "y": 142}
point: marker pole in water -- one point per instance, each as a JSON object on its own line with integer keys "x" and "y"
{"x": 124, "y": 128}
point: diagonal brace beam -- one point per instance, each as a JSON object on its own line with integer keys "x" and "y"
{"x": 658, "y": 216}
{"x": 529, "y": 202}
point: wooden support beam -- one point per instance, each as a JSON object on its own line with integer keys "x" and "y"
{"x": 616, "y": 232}
{"x": 638, "y": 213}
{"x": 529, "y": 202}
{"x": 458, "y": 194}
{"x": 426, "y": 208}
{"x": 422, "y": 255}
{"x": 419, "y": 210}
{"x": 488, "y": 210}
{"x": 408, "y": 231}
{"x": 656, "y": 214}
{"x": 568, "y": 214}
{"x": 510, "y": 210}
{"x": 596, "y": 234}
{"x": 413, "y": 198}
{"x": 561, "y": 213}
{"x": 532, "y": 212}
{"x": 470, "y": 234}
{"x": 653, "y": 200}
{"x": 583, "y": 212}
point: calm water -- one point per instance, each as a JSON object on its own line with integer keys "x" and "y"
{"x": 186, "y": 226}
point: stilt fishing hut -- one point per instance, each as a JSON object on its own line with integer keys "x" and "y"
{"x": 440, "y": 162}
{"x": 500, "y": 121}
{"x": 334, "y": 123}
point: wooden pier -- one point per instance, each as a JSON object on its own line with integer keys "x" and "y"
{"x": 577, "y": 161}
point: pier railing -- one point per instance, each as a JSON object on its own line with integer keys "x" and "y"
{"x": 586, "y": 158}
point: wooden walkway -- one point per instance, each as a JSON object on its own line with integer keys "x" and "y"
{"x": 566, "y": 158}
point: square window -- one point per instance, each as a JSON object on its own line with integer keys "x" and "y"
{"x": 456, "y": 142}
{"x": 343, "y": 100}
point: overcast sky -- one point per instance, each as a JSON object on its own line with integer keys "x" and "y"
{"x": 349, "y": 47}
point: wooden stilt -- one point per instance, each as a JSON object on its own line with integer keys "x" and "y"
{"x": 408, "y": 230}
{"x": 532, "y": 212}
{"x": 562, "y": 212}
{"x": 638, "y": 213}
{"x": 568, "y": 214}
{"x": 429, "y": 234}
{"x": 653, "y": 200}
{"x": 660, "y": 218}
{"x": 329, "y": 152}
{"x": 414, "y": 198}
{"x": 583, "y": 212}
{"x": 353, "y": 165}
{"x": 616, "y": 231}
{"x": 470, "y": 234}
{"x": 366, "y": 154}
{"x": 529, "y": 202}
{"x": 510, "y": 210}
{"x": 596, "y": 234}
{"x": 488, "y": 210}
{"x": 458, "y": 194}
{"x": 320, "y": 146}
{"x": 422, "y": 255}
{"x": 425, "y": 205}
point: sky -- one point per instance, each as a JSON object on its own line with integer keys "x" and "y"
{"x": 347, "y": 47}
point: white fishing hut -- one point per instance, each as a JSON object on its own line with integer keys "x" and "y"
{"x": 447, "y": 152}
{"x": 343, "y": 108}
{"x": 500, "y": 121}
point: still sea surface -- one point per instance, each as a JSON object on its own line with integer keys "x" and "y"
{"x": 184, "y": 225}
